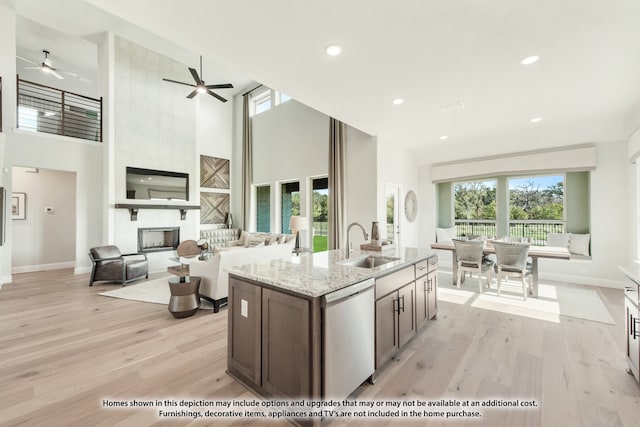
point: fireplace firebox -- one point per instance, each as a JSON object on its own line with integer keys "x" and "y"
{"x": 157, "y": 239}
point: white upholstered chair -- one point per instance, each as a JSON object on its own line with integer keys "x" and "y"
{"x": 511, "y": 260}
{"x": 469, "y": 258}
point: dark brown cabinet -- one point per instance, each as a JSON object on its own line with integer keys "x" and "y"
{"x": 405, "y": 301}
{"x": 244, "y": 339}
{"x": 431, "y": 285}
{"x": 386, "y": 327}
{"x": 274, "y": 340}
{"x": 406, "y": 313}
{"x": 286, "y": 347}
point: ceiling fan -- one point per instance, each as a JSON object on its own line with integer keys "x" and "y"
{"x": 46, "y": 66}
{"x": 200, "y": 87}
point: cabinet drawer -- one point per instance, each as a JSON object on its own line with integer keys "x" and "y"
{"x": 426, "y": 266}
{"x": 422, "y": 268}
{"x": 393, "y": 281}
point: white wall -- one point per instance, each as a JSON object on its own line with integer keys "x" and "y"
{"x": 291, "y": 143}
{"x": 155, "y": 127}
{"x": 361, "y": 184}
{"x": 44, "y": 240}
{"x": 8, "y": 73}
{"x": 67, "y": 154}
{"x": 397, "y": 165}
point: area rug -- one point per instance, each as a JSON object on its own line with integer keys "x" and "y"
{"x": 553, "y": 301}
{"x": 155, "y": 291}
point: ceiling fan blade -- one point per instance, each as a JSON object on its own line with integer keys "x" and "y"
{"x": 52, "y": 71}
{"x": 32, "y": 68}
{"x": 215, "y": 95}
{"x": 180, "y": 83}
{"x": 194, "y": 73}
{"x": 221, "y": 86}
{"x": 27, "y": 60}
{"x": 192, "y": 94}
{"x": 68, "y": 73}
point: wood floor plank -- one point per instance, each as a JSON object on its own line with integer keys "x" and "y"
{"x": 64, "y": 349}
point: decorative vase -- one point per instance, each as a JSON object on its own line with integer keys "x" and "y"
{"x": 375, "y": 234}
{"x": 229, "y": 220}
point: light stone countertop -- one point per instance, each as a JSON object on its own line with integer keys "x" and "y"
{"x": 318, "y": 274}
{"x": 632, "y": 271}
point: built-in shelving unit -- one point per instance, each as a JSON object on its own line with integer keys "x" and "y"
{"x": 135, "y": 207}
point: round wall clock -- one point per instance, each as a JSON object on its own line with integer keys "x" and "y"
{"x": 411, "y": 206}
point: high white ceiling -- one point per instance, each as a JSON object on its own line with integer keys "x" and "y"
{"x": 431, "y": 53}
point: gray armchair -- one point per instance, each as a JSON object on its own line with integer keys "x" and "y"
{"x": 111, "y": 265}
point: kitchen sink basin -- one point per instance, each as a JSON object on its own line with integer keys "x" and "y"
{"x": 370, "y": 262}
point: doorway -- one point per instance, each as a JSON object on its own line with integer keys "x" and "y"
{"x": 393, "y": 213}
{"x": 44, "y": 224}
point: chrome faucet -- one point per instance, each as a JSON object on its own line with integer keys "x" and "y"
{"x": 364, "y": 232}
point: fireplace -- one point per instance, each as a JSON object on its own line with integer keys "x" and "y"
{"x": 158, "y": 239}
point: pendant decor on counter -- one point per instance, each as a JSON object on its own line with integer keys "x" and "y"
{"x": 375, "y": 233}
{"x": 411, "y": 206}
{"x": 229, "y": 220}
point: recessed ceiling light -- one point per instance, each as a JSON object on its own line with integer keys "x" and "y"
{"x": 398, "y": 101}
{"x": 443, "y": 137}
{"x": 536, "y": 119}
{"x": 530, "y": 60}
{"x": 333, "y": 50}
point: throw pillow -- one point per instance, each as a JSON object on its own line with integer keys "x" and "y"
{"x": 242, "y": 240}
{"x": 254, "y": 239}
{"x": 445, "y": 234}
{"x": 272, "y": 240}
{"x": 579, "y": 244}
{"x": 560, "y": 240}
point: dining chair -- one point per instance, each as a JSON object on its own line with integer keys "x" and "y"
{"x": 469, "y": 258}
{"x": 511, "y": 260}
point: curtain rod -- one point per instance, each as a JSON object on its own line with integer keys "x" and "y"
{"x": 249, "y": 91}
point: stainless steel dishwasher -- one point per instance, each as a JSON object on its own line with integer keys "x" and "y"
{"x": 348, "y": 338}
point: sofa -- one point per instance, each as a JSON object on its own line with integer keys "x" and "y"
{"x": 249, "y": 249}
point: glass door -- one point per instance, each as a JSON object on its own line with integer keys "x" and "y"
{"x": 392, "y": 213}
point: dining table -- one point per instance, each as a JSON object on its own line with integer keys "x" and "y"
{"x": 535, "y": 253}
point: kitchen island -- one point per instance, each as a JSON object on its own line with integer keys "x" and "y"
{"x": 300, "y": 327}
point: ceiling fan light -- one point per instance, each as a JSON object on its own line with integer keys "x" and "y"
{"x": 201, "y": 89}
{"x": 46, "y": 69}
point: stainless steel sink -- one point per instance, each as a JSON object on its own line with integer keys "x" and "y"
{"x": 370, "y": 262}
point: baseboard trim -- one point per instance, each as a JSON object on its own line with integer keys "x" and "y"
{"x": 43, "y": 267}
{"x": 81, "y": 270}
{"x": 583, "y": 280}
{"x": 5, "y": 279}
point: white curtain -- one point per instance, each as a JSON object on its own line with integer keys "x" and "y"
{"x": 247, "y": 162}
{"x": 337, "y": 161}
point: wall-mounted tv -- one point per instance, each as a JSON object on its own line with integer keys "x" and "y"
{"x": 150, "y": 184}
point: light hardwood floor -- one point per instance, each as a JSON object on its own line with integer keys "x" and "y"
{"x": 64, "y": 349}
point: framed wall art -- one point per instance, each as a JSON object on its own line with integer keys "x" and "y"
{"x": 19, "y": 206}
{"x": 214, "y": 172}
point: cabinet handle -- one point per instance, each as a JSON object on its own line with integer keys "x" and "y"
{"x": 635, "y": 323}
{"x": 427, "y": 284}
{"x": 402, "y": 304}
{"x": 396, "y": 300}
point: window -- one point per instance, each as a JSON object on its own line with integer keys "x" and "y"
{"x": 27, "y": 118}
{"x": 536, "y": 206}
{"x": 263, "y": 208}
{"x": 267, "y": 99}
{"x": 320, "y": 213}
{"x": 284, "y": 98}
{"x": 262, "y": 105}
{"x": 290, "y": 200}
{"x": 475, "y": 208}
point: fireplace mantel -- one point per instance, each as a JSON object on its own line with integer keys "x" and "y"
{"x": 135, "y": 207}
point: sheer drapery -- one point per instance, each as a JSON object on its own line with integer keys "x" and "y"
{"x": 337, "y": 161}
{"x": 247, "y": 162}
